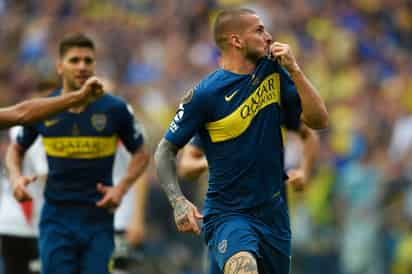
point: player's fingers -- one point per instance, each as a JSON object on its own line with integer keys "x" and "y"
{"x": 279, "y": 52}
{"x": 26, "y": 198}
{"x": 183, "y": 224}
{"x": 22, "y": 195}
{"x": 197, "y": 214}
{"x": 102, "y": 188}
{"x": 194, "y": 227}
{"x": 92, "y": 80}
{"x": 277, "y": 43}
{"x": 104, "y": 202}
{"x": 30, "y": 179}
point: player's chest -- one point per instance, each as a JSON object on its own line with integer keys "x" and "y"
{"x": 246, "y": 99}
{"x": 90, "y": 123}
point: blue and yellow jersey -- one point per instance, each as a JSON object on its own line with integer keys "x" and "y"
{"x": 238, "y": 119}
{"x": 80, "y": 147}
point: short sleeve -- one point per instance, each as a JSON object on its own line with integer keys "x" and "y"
{"x": 189, "y": 118}
{"x": 26, "y": 136}
{"x": 290, "y": 102}
{"x": 130, "y": 131}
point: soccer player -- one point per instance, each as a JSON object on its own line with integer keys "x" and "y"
{"x": 76, "y": 226}
{"x": 37, "y": 109}
{"x": 237, "y": 111}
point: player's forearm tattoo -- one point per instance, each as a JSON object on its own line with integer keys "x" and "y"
{"x": 181, "y": 210}
{"x": 242, "y": 264}
{"x": 165, "y": 158}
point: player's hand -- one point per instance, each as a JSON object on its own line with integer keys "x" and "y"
{"x": 91, "y": 89}
{"x": 19, "y": 186}
{"x": 284, "y": 55}
{"x": 112, "y": 197}
{"x": 297, "y": 179}
{"x": 186, "y": 216}
{"x": 135, "y": 234}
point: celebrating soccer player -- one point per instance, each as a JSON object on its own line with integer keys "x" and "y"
{"x": 237, "y": 112}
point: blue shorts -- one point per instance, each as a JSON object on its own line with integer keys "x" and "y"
{"x": 264, "y": 232}
{"x": 75, "y": 240}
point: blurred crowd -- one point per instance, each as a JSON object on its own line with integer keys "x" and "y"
{"x": 356, "y": 215}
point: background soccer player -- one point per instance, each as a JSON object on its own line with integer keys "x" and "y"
{"x": 36, "y": 109}
{"x": 76, "y": 226}
{"x": 238, "y": 111}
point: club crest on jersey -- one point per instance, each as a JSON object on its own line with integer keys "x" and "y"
{"x": 99, "y": 121}
{"x": 222, "y": 246}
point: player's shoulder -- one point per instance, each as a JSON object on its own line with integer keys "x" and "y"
{"x": 214, "y": 82}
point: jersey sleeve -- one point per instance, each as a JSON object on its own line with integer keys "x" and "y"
{"x": 196, "y": 141}
{"x": 189, "y": 118}
{"x": 290, "y": 102}
{"x": 129, "y": 129}
{"x": 26, "y": 136}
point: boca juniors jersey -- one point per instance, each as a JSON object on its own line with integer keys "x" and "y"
{"x": 80, "y": 147}
{"x": 238, "y": 120}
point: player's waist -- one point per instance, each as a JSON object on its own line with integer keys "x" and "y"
{"x": 76, "y": 211}
{"x": 242, "y": 204}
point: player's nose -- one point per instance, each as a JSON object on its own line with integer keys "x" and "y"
{"x": 268, "y": 37}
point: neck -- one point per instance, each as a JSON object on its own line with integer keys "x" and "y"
{"x": 236, "y": 63}
{"x": 78, "y": 108}
{"x": 66, "y": 88}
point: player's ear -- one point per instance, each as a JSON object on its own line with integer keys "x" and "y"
{"x": 235, "y": 41}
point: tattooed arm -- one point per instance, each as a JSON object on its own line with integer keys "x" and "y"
{"x": 185, "y": 213}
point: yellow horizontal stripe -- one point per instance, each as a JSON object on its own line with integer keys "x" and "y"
{"x": 233, "y": 125}
{"x": 85, "y": 147}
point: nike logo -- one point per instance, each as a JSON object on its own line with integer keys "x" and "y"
{"x": 276, "y": 195}
{"x": 230, "y": 97}
{"x": 49, "y": 123}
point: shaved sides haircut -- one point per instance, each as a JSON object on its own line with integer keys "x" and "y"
{"x": 228, "y": 22}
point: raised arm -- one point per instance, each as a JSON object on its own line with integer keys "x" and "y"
{"x": 185, "y": 212}
{"x": 314, "y": 112}
{"x": 37, "y": 109}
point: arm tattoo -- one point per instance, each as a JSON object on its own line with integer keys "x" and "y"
{"x": 165, "y": 157}
{"x": 243, "y": 264}
{"x": 181, "y": 212}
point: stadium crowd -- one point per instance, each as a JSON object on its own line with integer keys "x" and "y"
{"x": 355, "y": 216}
